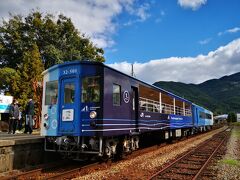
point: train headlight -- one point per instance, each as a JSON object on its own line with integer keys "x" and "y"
{"x": 45, "y": 116}
{"x": 93, "y": 114}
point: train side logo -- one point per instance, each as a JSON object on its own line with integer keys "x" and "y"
{"x": 126, "y": 96}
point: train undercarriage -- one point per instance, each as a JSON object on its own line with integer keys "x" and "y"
{"x": 76, "y": 147}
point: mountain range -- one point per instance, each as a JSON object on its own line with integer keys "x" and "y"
{"x": 218, "y": 95}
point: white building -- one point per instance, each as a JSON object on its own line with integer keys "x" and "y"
{"x": 220, "y": 118}
{"x": 238, "y": 117}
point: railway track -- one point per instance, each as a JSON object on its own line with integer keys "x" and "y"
{"x": 48, "y": 171}
{"x": 71, "y": 169}
{"x": 192, "y": 165}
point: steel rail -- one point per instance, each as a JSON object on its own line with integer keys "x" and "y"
{"x": 176, "y": 161}
{"x": 189, "y": 153}
{"x": 33, "y": 172}
{"x": 67, "y": 174}
{"x": 210, "y": 157}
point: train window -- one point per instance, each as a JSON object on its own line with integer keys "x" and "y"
{"x": 116, "y": 95}
{"x": 51, "y": 92}
{"x": 91, "y": 89}
{"x": 69, "y": 93}
{"x": 149, "y": 107}
{"x": 209, "y": 116}
{"x": 202, "y": 115}
{"x": 205, "y": 115}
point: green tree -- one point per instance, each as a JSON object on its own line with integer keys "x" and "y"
{"x": 57, "y": 40}
{"x": 232, "y": 117}
{"x": 30, "y": 44}
{"x": 30, "y": 77}
{"x": 9, "y": 81}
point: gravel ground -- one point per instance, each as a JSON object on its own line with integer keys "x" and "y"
{"x": 229, "y": 167}
{"x": 142, "y": 167}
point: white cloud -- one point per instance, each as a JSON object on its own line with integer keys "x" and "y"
{"x": 205, "y": 41}
{"x": 92, "y": 17}
{"x": 229, "y": 31}
{"x": 220, "y": 33}
{"x": 223, "y": 61}
{"x": 192, "y": 4}
{"x": 141, "y": 13}
{"x": 233, "y": 30}
{"x": 160, "y": 18}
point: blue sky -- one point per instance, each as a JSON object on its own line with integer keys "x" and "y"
{"x": 172, "y": 30}
{"x": 187, "y": 41}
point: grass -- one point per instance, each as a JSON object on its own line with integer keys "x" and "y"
{"x": 236, "y": 132}
{"x": 231, "y": 162}
{"x": 236, "y": 123}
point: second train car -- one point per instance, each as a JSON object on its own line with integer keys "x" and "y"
{"x": 89, "y": 108}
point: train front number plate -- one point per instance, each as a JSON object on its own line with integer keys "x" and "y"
{"x": 67, "y": 114}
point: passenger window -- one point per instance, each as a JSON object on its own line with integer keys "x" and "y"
{"x": 116, "y": 95}
{"x": 51, "y": 93}
{"x": 205, "y": 115}
{"x": 91, "y": 89}
{"x": 69, "y": 93}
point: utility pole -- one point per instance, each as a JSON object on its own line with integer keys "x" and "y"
{"x": 132, "y": 71}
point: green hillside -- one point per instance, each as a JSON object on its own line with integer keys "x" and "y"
{"x": 218, "y": 95}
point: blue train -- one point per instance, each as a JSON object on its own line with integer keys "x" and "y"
{"x": 89, "y": 108}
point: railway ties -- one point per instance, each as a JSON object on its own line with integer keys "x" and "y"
{"x": 58, "y": 170}
{"x": 193, "y": 164}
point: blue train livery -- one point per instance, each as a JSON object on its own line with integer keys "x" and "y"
{"x": 89, "y": 108}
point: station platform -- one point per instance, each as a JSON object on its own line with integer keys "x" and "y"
{"x": 5, "y": 135}
{"x": 19, "y": 151}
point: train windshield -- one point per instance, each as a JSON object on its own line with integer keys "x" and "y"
{"x": 91, "y": 89}
{"x": 51, "y": 93}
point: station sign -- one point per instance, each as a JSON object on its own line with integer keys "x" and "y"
{"x": 5, "y": 102}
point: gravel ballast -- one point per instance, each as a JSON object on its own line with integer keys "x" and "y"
{"x": 229, "y": 167}
{"x": 143, "y": 166}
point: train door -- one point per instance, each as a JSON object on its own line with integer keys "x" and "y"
{"x": 135, "y": 106}
{"x": 69, "y": 105}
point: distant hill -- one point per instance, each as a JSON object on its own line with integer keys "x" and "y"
{"x": 218, "y": 95}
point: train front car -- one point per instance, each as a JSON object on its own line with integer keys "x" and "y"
{"x": 71, "y": 99}
{"x": 203, "y": 118}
